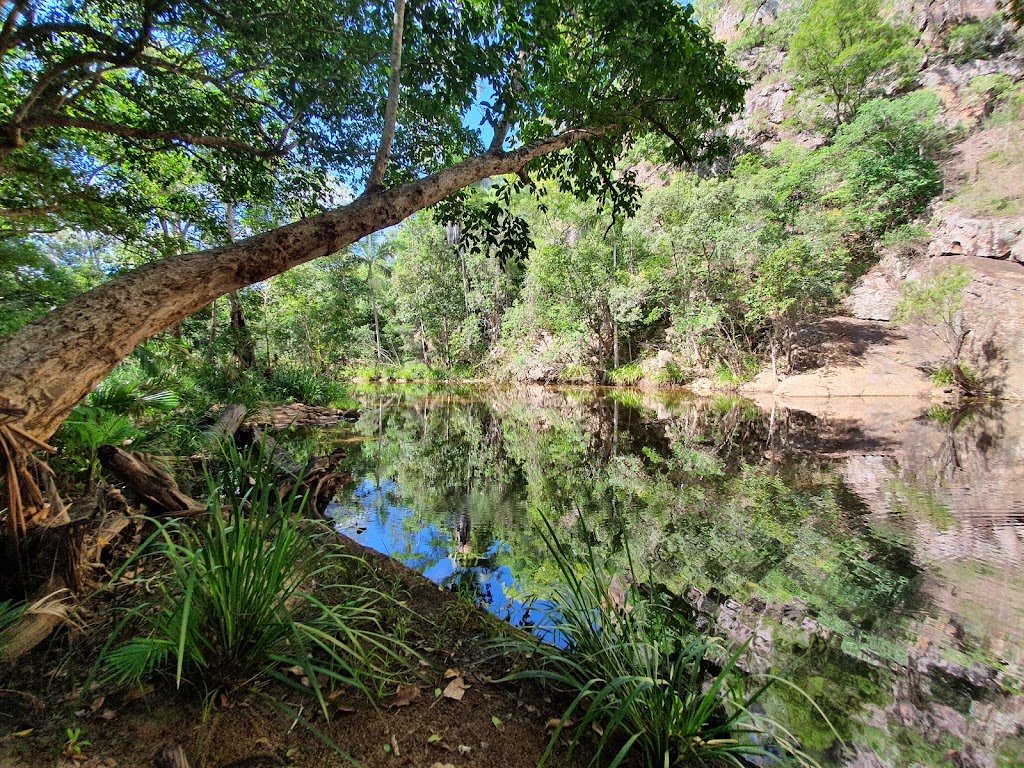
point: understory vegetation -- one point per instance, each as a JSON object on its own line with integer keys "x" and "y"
{"x": 247, "y": 592}
{"x": 645, "y": 681}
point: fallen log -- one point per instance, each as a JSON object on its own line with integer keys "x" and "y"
{"x": 319, "y": 479}
{"x": 154, "y": 485}
{"x": 279, "y": 457}
{"x": 230, "y": 420}
{"x": 38, "y": 622}
{"x": 99, "y": 530}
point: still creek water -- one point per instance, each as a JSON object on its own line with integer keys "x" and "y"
{"x": 874, "y": 560}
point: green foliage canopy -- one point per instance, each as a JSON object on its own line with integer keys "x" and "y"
{"x": 839, "y": 50}
{"x": 95, "y": 94}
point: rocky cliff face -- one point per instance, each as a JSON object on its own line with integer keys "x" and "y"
{"x": 959, "y": 235}
{"x": 979, "y": 220}
{"x": 771, "y": 99}
{"x": 934, "y": 19}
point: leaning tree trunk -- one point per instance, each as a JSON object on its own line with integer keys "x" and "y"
{"x": 49, "y": 366}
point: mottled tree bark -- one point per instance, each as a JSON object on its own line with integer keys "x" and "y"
{"x": 49, "y": 366}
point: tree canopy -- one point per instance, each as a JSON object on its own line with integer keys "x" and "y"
{"x": 840, "y": 49}
{"x": 100, "y": 97}
{"x": 103, "y": 103}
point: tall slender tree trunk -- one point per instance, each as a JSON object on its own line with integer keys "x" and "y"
{"x": 615, "y": 323}
{"x": 241, "y": 335}
{"x": 496, "y": 304}
{"x": 211, "y": 350}
{"x": 373, "y": 305}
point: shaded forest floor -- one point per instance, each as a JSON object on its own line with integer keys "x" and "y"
{"x": 52, "y": 715}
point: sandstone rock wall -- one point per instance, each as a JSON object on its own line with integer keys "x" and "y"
{"x": 933, "y": 19}
{"x": 959, "y": 235}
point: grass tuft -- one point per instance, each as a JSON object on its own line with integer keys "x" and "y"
{"x": 235, "y": 602}
{"x": 642, "y": 679}
{"x": 626, "y": 375}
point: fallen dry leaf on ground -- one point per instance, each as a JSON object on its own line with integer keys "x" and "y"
{"x": 456, "y": 689}
{"x": 406, "y": 695}
{"x": 555, "y": 722}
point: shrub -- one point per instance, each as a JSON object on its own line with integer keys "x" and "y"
{"x": 626, "y": 375}
{"x": 213, "y": 384}
{"x": 365, "y": 373}
{"x": 905, "y": 236}
{"x": 734, "y": 375}
{"x": 233, "y": 607}
{"x": 303, "y": 386}
{"x": 977, "y": 40}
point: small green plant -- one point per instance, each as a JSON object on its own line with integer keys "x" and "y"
{"x": 85, "y": 431}
{"x": 234, "y": 606}
{"x": 945, "y": 377}
{"x": 626, "y": 375}
{"x": 74, "y": 744}
{"x": 575, "y": 373}
{"x": 671, "y": 373}
{"x": 129, "y": 392}
{"x": 942, "y": 377}
{"x": 10, "y": 614}
{"x": 637, "y": 675}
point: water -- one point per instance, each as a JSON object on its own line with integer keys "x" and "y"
{"x": 873, "y": 557}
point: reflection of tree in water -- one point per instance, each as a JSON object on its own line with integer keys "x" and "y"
{"x": 716, "y": 495}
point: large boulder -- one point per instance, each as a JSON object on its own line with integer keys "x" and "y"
{"x": 875, "y": 294}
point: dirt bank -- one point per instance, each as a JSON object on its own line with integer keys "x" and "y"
{"x": 42, "y": 703}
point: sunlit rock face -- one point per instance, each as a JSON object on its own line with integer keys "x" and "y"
{"x": 933, "y": 19}
{"x": 734, "y": 15}
{"x": 960, "y": 235}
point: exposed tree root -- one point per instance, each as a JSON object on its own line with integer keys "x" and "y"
{"x": 30, "y": 497}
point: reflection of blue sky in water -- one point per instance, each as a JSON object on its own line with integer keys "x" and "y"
{"x": 376, "y": 517}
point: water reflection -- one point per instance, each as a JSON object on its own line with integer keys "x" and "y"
{"x": 875, "y": 562}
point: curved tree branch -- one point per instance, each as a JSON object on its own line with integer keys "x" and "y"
{"x": 143, "y": 134}
{"x": 7, "y": 35}
{"x": 49, "y": 366}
